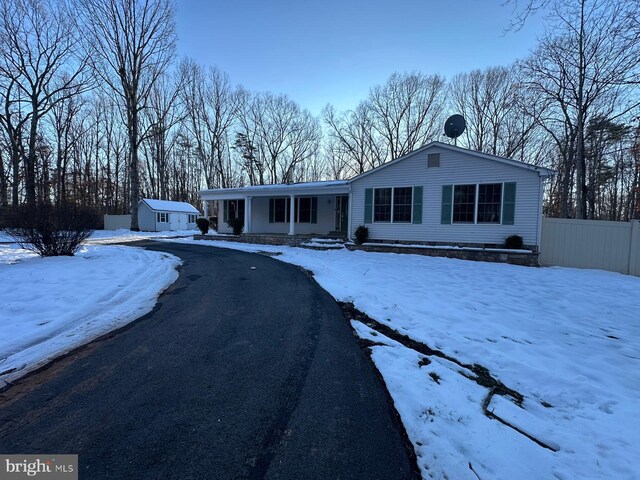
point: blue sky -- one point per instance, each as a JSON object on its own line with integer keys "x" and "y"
{"x": 331, "y": 51}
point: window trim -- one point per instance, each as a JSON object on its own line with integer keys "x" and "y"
{"x": 391, "y": 220}
{"x": 160, "y": 216}
{"x": 475, "y": 207}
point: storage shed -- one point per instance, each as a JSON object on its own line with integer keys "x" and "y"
{"x": 162, "y": 215}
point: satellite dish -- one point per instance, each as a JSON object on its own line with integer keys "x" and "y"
{"x": 454, "y": 126}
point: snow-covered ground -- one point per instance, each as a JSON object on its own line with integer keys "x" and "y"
{"x": 49, "y": 306}
{"x": 124, "y": 235}
{"x": 568, "y": 340}
{"x": 119, "y": 236}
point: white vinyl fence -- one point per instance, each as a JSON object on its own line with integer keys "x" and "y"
{"x": 611, "y": 246}
{"x": 115, "y": 222}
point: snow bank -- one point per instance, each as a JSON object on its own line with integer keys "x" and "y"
{"x": 52, "y": 305}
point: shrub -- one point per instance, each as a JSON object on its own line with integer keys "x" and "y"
{"x": 236, "y": 224}
{"x": 514, "y": 242}
{"x": 361, "y": 234}
{"x": 50, "y": 230}
{"x": 203, "y": 225}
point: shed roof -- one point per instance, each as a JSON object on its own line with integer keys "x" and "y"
{"x": 169, "y": 206}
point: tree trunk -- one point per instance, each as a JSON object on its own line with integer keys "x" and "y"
{"x": 133, "y": 167}
{"x": 30, "y": 159}
{"x": 15, "y": 162}
{"x": 3, "y": 184}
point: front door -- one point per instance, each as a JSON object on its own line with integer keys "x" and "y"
{"x": 342, "y": 213}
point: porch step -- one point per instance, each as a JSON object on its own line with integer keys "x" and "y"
{"x": 323, "y": 244}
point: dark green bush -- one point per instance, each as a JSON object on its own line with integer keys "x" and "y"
{"x": 49, "y": 230}
{"x": 361, "y": 234}
{"x": 203, "y": 225}
{"x": 237, "y": 224}
{"x": 514, "y": 242}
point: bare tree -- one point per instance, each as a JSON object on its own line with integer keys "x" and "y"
{"x": 161, "y": 118}
{"x": 285, "y": 135}
{"x": 132, "y": 43}
{"x": 406, "y": 111}
{"x": 583, "y": 68}
{"x": 40, "y": 65}
{"x": 498, "y": 116}
{"x": 353, "y": 139}
{"x": 212, "y": 108}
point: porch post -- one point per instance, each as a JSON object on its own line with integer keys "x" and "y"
{"x": 349, "y": 210}
{"x": 205, "y": 208}
{"x": 247, "y": 214}
{"x": 292, "y": 215}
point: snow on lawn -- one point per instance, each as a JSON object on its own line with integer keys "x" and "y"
{"x": 124, "y": 235}
{"x": 119, "y": 236}
{"x": 562, "y": 337}
{"x": 49, "y": 306}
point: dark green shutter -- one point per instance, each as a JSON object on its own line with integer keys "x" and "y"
{"x": 368, "y": 205}
{"x": 447, "y": 197}
{"x": 225, "y": 208}
{"x": 509, "y": 204}
{"x": 271, "y": 209}
{"x": 417, "y": 204}
{"x": 314, "y": 209}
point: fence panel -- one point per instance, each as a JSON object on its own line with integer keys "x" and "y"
{"x": 115, "y": 222}
{"x": 599, "y": 244}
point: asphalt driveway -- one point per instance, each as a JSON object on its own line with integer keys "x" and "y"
{"x": 244, "y": 370}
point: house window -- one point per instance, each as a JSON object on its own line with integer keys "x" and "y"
{"x": 281, "y": 210}
{"x": 382, "y": 205}
{"x": 162, "y": 217}
{"x": 489, "y": 201}
{"x": 236, "y": 209}
{"x": 233, "y": 209}
{"x": 303, "y": 210}
{"x": 464, "y": 203}
{"x": 393, "y": 205}
{"x": 402, "y": 201}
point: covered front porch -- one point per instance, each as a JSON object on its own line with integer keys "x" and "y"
{"x": 314, "y": 208}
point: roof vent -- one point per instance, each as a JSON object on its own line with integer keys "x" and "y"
{"x": 433, "y": 160}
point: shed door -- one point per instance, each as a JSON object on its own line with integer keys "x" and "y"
{"x": 174, "y": 221}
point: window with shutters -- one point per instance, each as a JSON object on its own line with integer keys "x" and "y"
{"x": 163, "y": 217}
{"x": 479, "y": 203}
{"x": 393, "y": 205}
{"x": 489, "y": 201}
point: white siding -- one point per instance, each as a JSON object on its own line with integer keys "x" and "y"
{"x": 260, "y": 218}
{"x": 147, "y": 218}
{"x": 455, "y": 168}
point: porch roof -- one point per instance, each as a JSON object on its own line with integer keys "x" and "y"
{"x": 334, "y": 187}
